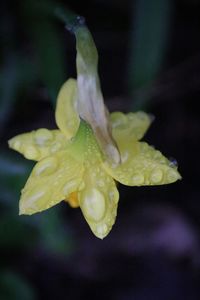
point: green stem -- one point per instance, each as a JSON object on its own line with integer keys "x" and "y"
{"x": 71, "y": 20}
{"x": 148, "y": 46}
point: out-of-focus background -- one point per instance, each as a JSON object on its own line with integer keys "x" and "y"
{"x": 149, "y": 60}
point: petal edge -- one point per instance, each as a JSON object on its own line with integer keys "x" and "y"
{"x": 38, "y": 144}
{"x": 143, "y": 165}
{"x": 67, "y": 117}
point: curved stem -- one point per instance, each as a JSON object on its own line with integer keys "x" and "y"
{"x": 62, "y": 13}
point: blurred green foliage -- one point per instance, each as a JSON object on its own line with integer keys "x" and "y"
{"x": 20, "y": 70}
{"x": 13, "y": 286}
{"x": 149, "y": 36}
{"x": 47, "y": 43}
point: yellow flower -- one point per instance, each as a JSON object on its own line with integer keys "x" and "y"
{"x": 75, "y": 161}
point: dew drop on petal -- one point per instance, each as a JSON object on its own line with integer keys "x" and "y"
{"x": 124, "y": 156}
{"x": 46, "y": 167}
{"x": 70, "y": 187}
{"x": 31, "y": 152}
{"x": 114, "y": 196}
{"x": 93, "y": 205}
{"x": 42, "y": 136}
{"x": 31, "y": 201}
{"x": 156, "y": 176}
{"x": 173, "y": 162}
{"x": 138, "y": 179}
{"x": 101, "y": 230}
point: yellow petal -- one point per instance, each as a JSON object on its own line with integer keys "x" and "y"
{"x": 131, "y": 126}
{"x": 67, "y": 117}
{"x": 53, "y": 179}
{"x": 37, "y": 144}
{"x": 99, "y": 200}
{"x": 143, "y": 165}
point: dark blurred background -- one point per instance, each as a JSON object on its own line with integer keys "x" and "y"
{"x": 149, "y": 60}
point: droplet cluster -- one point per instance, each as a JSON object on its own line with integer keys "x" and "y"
{"x": 52, "y": 180}
{"x": 38, "y": 144}
{"x": 131, "y": 125}
{"x": 144, "y": 166}
{"x": 100, "y": 197}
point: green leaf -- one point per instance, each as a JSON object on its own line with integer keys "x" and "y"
{"x": 48, "y": 45}
{"x": 54, "y": 232}
{"x": 148, "y": 45}
{"x": 13, "y": 286}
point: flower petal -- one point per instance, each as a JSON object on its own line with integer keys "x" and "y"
{"x": 67, "y": 117}
{"x": 37, "y": 144}
{"x": 98, "y": 201}
{"x": 143, "y": 165}
{"x": 53, "y": 179}
{"x": 131, "y": 125}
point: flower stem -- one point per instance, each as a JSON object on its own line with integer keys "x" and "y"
{"x": 62, "y": 13}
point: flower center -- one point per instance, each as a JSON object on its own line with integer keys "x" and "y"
{"x": 73, "y": 199}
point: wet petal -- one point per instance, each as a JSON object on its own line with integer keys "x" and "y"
{"x": 98, "y": 201}
{"x": 143, "y": 165}
{"x": 67, "y": 117}
{"x": 53, "y": 179}
{"x": 37, "y": 144}
{"x": 129, "y": 126}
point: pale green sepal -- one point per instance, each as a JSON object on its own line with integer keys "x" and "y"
{"x": 91, "y": 106}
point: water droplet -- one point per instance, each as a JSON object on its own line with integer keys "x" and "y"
{"x": 114, "y": 196}
{"x": 138, "y": 179}
{"x": 102, "y": 230}
{"x": 93, "y": 204}
{"x": 43, "y": 135}
{"x": 70, "y": 187}
{"x": 46, "y": 167}
{"x": 75, "y": 24}
{"x": 124, "y": 156}
{"x": 173, "y": 162}
{"x": 31, "y": 152}
{"x": 112, "y": 154}
{"x": 156, "y": 176}
{"x": 28, "y": 203}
